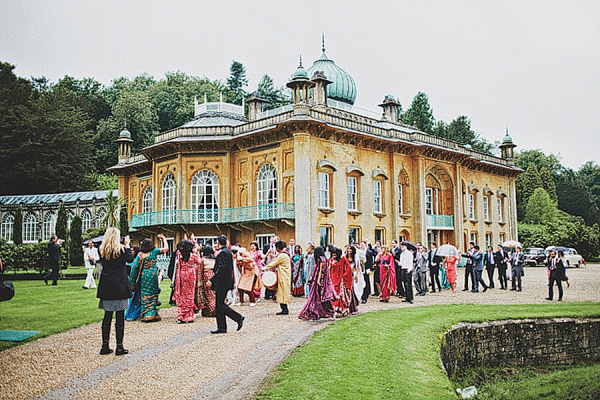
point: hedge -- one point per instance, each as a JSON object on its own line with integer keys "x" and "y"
{"x": 29, "y": 257}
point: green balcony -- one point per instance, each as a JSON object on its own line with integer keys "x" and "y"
{"x": 440, "y": 222}
{"x": 261, "y": 212}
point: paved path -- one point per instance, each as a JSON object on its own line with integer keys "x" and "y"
{"x": 174, "y": 361}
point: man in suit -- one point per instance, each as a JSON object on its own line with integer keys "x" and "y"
{"x": 376, "y": 249}
{"x": 469, "y": 267}
{"x": 517, "y": 261}
{"x": 490, "y": 265}
{"x": 292, "y": 247}
{"x": 501, "y": 258}
{"x": 407, "y": 264}
{"x": 420, "y": 273}
{"x": 54, "y": 259}
{"x": 434, "y": 267}
{"x": 477, "y": 259}
{"x": 557, "y": 270}
{"x": 395, "y": 252}
{"x": 221, "y": 283}
{"x": 367, "y": 270}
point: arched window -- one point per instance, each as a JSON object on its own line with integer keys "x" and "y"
{"x": 49, "y": 226}
{"x": 267, "y": 192}
{"x": 70, "y": 216}
{"x": 100, "y": 214}
{"x": 147, "y": 206}
{"x": 30, "y": 228}
{"x": 8, "y": 227}
{"x": 168, "y": 199}
{"x": 86, "y": 220}
{"x": 205, "y": 197}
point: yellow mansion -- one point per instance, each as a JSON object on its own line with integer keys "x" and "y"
{"x": 316, "y": 170}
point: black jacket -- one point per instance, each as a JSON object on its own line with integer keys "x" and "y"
{"x": 53, "y": 251}
{"x": 436, "y": 259}
{"x": 560, "y": 266}
{"x": 171, "y": 269}
{"x": 370, "y": 257}
{"x": 223, "y": 278}
{"x": 499, "y": 257}
{"x": 114, "y": 282}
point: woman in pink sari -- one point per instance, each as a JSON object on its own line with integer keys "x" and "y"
{"x": 321, "y": 295}
{"x": 387, "y": 274}
{"x": 185, "y": 283}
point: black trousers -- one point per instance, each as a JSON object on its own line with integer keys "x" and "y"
{"x": 367, "y": 290}
{"x": 53, "y": 275}
{"x": 469, "y": 272}
{"x": 502, "y": 276}
{"x": 408, "y": 289}
{"x": 555, "y": 277}
{"x": 434, "y": 274}
{"x": 223, "y": 310}
{"x": 490, "y": 270}
{"x": 400, "y": 282}
{"x": 376, "y": 280}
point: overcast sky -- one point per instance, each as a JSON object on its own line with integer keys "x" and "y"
{"x": 533, "y": 66}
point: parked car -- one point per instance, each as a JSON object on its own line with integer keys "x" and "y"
{"x": 535, "y": 256}
{"x": 571, "y": 256}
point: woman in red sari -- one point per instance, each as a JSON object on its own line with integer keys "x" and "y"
{"x": 185, "y": 283}
{"x": 341, "y": 277}
{"x": 205, "y": 297}
{"x": 387, "y": 273}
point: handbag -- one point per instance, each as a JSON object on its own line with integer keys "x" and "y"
{"x": 7, "y": 290}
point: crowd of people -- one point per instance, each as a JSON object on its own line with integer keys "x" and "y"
{"x": 209, "y": 281}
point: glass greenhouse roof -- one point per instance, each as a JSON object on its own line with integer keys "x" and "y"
{"x": 54, "y": 198}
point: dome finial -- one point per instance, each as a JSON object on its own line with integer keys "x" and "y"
{"x": 323, "y": 39}
{"x": 300, "y": 59}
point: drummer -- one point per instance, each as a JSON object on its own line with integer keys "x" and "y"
{"x": 284, "y": 273}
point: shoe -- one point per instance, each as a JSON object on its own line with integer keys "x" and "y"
{"x": 422, "y": 294}
{"x": 465, "y": 290}
{"x": 85, "y": 287}
{"x": 513, "y": 289}
{"x": 252, "y": 304}
{"x": 559, "y": 300}
{"x": 241, "y": 323}
{"x": 218, "y": 331}
{"x": 381, "y": 300}
{"x": 518, "y": 290}
{"x": 54, "y": 284}
{"x": 120, "y": 350}
{"x": 158, "y": 303}
{"x": 485, "y": 289}
{"x": 474, "y": 291}
{"x": 405, "y": 301}
{"x": 46, "y": 281}
{"x": 548, "y": 298}
{"x": 105, "y": 349}
{"x": 363, "y": 302}
{"x": 412, "y": 302}
{"x": 282, "y": 313}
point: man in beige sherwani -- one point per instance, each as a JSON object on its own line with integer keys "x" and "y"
{"x": 283, "y": 266}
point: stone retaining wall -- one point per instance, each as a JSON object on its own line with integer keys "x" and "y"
{"x": 520, "y": 342}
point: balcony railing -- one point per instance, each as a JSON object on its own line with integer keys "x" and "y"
{"x": 261, "y": 212}
{"x": 438, "y": 221}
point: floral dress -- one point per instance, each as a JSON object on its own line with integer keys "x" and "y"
{"x": 148, "y": 279}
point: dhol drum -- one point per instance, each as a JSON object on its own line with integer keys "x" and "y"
{"x": 269, "y": 279}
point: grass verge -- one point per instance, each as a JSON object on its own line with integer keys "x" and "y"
{"x": 53, "y": 309}
{"x": 390, "y": 354}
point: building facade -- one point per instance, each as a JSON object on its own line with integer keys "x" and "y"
{"x": 317, "y": 170}
{"x": 40, "y": 211}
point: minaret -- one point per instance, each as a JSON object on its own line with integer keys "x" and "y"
{"x": 390, "y": 108}
{"x": 507, "y": 148}
{"x": 300, "y": 84}
{"x": 124, "y": 145}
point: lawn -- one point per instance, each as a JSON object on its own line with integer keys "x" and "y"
{"x": 391, "y": 354}
{"x": 53, "y": 309}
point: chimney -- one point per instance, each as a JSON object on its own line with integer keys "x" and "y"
{"x": 255, "y": 106}
{"x": 390, "y": 108}
{"x": 319, "y": 97}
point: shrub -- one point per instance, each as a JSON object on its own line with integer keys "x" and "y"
{"x": 28, "y": 257}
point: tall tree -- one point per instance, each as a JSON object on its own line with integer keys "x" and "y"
{"x": 589, "y": 173}
{"x": 459, "y": 130}
{"x": 526, "y": 184}
{"x": 540, "y": 159}
{"x": 275, "y": 97}
{"x": 541, "y": 209}
{"x": 236, "y": 82}
{"x": 18, "y": 226}
{"x": 123, "y": 221}
{"x": 575, "y": 198}
{"x": 420, "y": 113}
{"x": 61, "y": 222}
{"x": 548, "y": 183}
{"x": 113, "y": 203}
{"x": 75, "y": 250}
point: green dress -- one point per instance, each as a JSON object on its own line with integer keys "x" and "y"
{"x": 148, "y": 284}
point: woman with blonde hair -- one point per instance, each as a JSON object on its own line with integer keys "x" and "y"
{"x": 145, "y": 276}
{"x": 113, "y": 288}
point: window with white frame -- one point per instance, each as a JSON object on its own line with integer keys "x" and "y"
{"x": 400, "y": 208}
{"x": 323, "y": 193}
{"x": 353, "y": 235}
{"x": 500, "y": 202}
{"x": 377, "y": 197}
{"x": 428, "y": 201}
{"x": 488, "y": 240}
{"x": 86, "y": 220}
{"x": 352, "y": 193}
{"x": 502, "y": 238}
{"x": 471, "y": 206}
{"x": 324, "y": 235}
{"x": 8, "y": 227}
{"x": 49, "y": 225}
{"x": 169, "y": 197}
{"x": 474, "y": 237}
{"x": 380, "y": 235}
{"x": 267, "y": 192}
{"x": 30, "y": 233}
{"x": 70, "y": 215}
{"x": 100, "y": 215}
{"x": 205, "y": 197}
{"x": 264, "y": 240}
{"x": 486, "y": 208}
{"x": 147, "y": 201}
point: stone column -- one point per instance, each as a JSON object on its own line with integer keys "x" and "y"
{"x": 458, "y": 208}
{"x": 421, "y": 196}
{"x": 305, "y": 220}
{"x": 512, "y": 210}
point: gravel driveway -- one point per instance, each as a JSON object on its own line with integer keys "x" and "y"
{"x": 174, "y": 361}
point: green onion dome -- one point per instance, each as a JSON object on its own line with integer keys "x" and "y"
{"x": 343, "y": 87}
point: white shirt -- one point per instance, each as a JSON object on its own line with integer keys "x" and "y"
{"x": 406, "y": 260}
{"x": 93, "y": 252}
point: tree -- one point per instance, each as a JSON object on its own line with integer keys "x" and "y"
{"x": 589, "y": 173}
{"x": 113, "y": 203}
{"x": 540, "y": 159}
{"x": 575, "y": 198}
{"x": 61, "y": 222}
{"x": 123, "y": 221}
{"x": 440, "y": 129}
{"x": 420, "y": 113}
{"x": 275, "y": 97}
{"x": 236, "y": 82}
{"x": 18, "y": 226}
{"x": 541, "y": 209}
{"x": 75, "y": 250}
{"x": 548, "y": 183}
{"x": 526, "y": 184}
